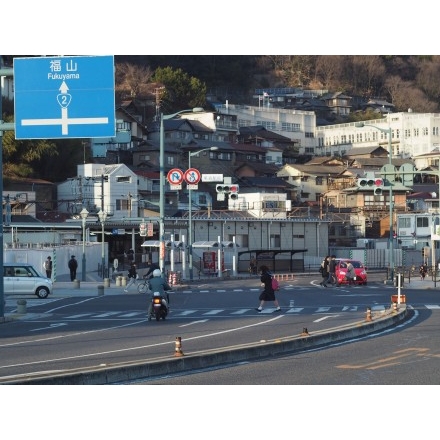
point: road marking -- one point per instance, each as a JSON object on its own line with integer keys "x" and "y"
{"x": 81, "y": 315}
{"x": 214, "y": 312}
{"x": 185, "y": 313}
{"x": 129, "y": 315}
{"x": 323, "y": 309}
{"x": 295, "y": 310}
{"x": 432, "y": 306}
{"x": 201, "y": 321}
{"x": 60, "y": 324}
{"x": 240, "y": 312}
{"x": 104, "y": 315}
{"x": 325, "y": 317}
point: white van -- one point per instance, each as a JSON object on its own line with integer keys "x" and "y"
{"x": 22, "y": 278}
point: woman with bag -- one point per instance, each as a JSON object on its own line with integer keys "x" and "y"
{"x": 268, "y": 294}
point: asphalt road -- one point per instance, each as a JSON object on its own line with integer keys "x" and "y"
{"x": 74, "y": 331}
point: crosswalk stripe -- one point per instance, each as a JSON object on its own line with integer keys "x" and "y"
{"x": 214, "y": 312}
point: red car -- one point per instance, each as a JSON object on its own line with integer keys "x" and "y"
{"x": 359, "y": 268}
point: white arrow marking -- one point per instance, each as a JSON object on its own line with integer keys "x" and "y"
{"x": 325, "y": 317}
{"x": 51, "y": 326}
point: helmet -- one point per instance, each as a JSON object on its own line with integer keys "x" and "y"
{"x": 157, "y": 273}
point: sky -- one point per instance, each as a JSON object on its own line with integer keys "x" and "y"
{"x": 230, "y": 28}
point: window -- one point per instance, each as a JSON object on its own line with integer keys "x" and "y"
{"x": 287, "y": 126}
{"x": 123, "y": 179}
{"x": 404, "y": 222}
{"x": 422, "y": 222}
{"x": 275, "y": 240}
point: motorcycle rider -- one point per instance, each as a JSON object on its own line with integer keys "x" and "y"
{"x": 158, "y": 284}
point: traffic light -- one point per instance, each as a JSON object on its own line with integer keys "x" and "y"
{"x": 234, "y": 192}
{"x": 375, "y": 183}
{"x": 222, "y": 188}
{"x": 378, "y": 187}
{"x": 365, "y": 182}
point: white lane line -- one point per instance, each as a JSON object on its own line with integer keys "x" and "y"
{"x": 122, "y": 350}
{"x": 201, "y": 321}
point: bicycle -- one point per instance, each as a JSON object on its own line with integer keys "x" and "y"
{"x": 143, "y": 286}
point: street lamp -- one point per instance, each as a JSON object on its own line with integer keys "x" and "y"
{"x": 190, "y": 237}
{"x": 390, "y": 155}
{"x": 162, "y": 181}
{"x": 84, "y": 213}
{"x": 102, "y": 218}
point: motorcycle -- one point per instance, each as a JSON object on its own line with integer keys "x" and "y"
{"x": 160, "y": 307}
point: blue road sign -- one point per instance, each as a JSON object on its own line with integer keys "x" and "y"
{"x": 64, "y": 97}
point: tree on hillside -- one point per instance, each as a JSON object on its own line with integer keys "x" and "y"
{"x": 404, "y": 95}
{"x": 428, "y": 77}
{"x": 19, "y": 156}
{"x": 181, "y": 90}
{"x": 328, "y": 72}
{"x": 368, "y": 73}
{"x": 133, "y": 81}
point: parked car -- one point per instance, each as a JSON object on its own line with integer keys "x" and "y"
{"x": 23, "y": 278}
{"x": 359, "y": 268}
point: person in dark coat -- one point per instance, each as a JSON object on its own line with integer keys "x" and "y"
{"x": 73, "y": 265}
{"x": 268, "y": 294}
{"x": 48, "y": 267}
{"x": 324, "y": 270}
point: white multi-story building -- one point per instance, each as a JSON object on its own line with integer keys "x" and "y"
{"x": 112, "y": 188}
{"x": 297, "y": 125}
{"x": 412, "y": 134}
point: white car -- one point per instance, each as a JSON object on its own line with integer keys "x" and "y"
{"x": 22, "y": 278}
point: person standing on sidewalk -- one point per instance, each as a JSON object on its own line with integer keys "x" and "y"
{"x": 268, "y": 294}
{"x": 132, "y": 277}
{"x": 48, "y": 267}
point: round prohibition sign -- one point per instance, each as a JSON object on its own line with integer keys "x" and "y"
{"x": 192, "y": 176}
{"x": 175, "y": 176}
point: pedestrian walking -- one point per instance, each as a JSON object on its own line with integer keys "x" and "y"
{"x": 268, "y": 294}
{"x": 332, "y": 273}
{"x": 350, "y": 275}
{"x": 423, "y": 271}
{"x": 323, "y": 269}
{"x": 47, "y": 265}
{"x": 73, "y": 265}
{"x": 132, "y": 277}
